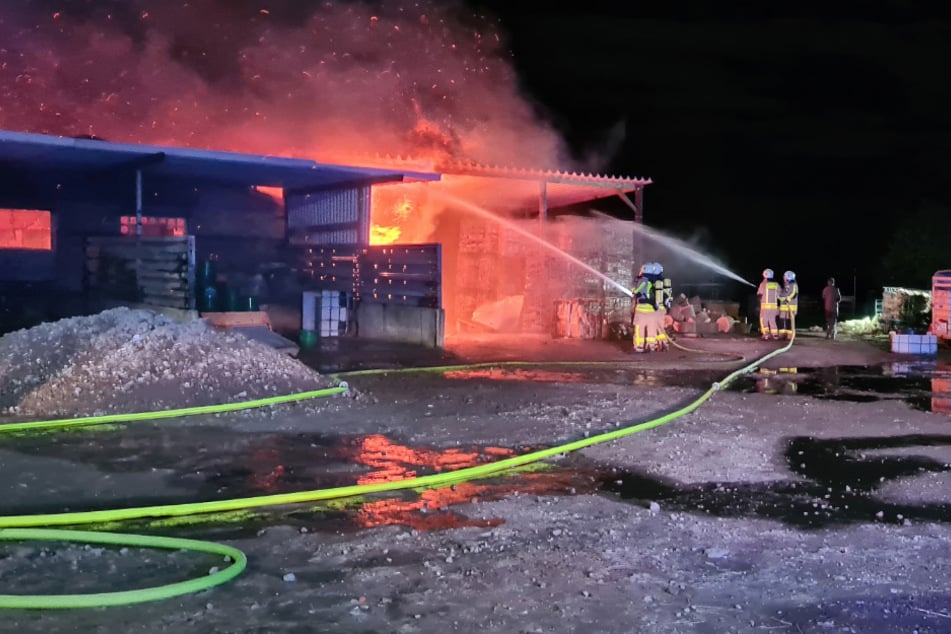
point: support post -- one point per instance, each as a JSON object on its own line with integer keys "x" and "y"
{"x": 637, "y": 206}
{"x": 138, "y": 206}
{"x": 542, "y": 200}
{"x": 138, "y": 230}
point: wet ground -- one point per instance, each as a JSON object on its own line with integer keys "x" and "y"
{"x": 806, "y": 497}
{"x": 222, "y": 464}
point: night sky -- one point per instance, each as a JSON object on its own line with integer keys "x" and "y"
{"x": 813, "y": 141}
{"x": 800, "y": 140}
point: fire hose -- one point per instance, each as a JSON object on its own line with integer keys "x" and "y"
{"x": 30, "y": 527}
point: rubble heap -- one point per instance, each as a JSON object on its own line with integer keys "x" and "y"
{"x": 123, "y": 360}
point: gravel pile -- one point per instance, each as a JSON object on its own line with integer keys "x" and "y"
{"x": 124, "y": 360}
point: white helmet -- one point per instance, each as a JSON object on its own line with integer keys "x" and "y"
{"x": 768, "y": 274}
{"x": 789, "y": 276}
{"x": 658, "y": 268}
{"x": 643, "y": 270}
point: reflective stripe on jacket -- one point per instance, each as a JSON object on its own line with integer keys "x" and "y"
{"x": 642, "y": 289}
{"x": 768, "y": 294}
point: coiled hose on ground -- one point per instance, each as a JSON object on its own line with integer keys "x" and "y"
{"x": 30, "y": 527}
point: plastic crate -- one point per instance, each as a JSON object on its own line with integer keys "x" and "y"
{"x": 915, "y": 344}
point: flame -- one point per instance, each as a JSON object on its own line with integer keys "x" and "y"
{"x": 25, "y": 229}
{"x": 277, "y": 193}
{"x": 384, "y": 235}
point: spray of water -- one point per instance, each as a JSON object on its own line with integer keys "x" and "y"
{"x": 679, "y": 247}
{"x": 485, "y": 213}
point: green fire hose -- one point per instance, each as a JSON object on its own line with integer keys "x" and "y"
{"x": 27, "y": 527}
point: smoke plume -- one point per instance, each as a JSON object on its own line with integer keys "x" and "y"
{"x": 324, "y": 80}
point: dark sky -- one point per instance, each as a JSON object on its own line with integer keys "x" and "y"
{"x": 799, "y": 140}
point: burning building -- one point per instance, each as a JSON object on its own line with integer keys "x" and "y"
{"x": 458, "y": 240}
{"x": 508, "y": 266}
{"x": 334, "y": 82}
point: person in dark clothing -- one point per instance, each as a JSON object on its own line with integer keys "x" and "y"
{"x": 831, "y": 296}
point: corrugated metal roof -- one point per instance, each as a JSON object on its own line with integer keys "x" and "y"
{"x": 580, "y": 179}
{"x": 473, "y": 168}
{"x": 54, "y": 156}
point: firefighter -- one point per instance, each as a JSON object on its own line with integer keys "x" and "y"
{"x": 768, "y": 293}
{"x": 788, "y": 305}
{"x": 662, "y": 300}
{"x": 642, "y": 311}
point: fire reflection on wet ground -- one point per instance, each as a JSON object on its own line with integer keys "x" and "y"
{"x": 591, "y": 374}
{"x": 506, "y": 374}
{"x": 390, "y": 461}
{"x": 222, "y": 464}
{"x": 925, "y": 385}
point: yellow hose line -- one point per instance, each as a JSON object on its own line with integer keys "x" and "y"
{"x": 729, "y": 356}
{"x": 9, "y": 525}
{"x": 125, "y": 597}
{"x": 429, "y": 481}
{"x": 62, "y": 423}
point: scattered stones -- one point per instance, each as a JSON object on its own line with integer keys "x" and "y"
{"x": 123, "y": 360}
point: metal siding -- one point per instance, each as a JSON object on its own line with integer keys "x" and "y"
{"x": 311, "y": 216}
{"x": 364, "y": 211}
{"x": 326, "y": 208}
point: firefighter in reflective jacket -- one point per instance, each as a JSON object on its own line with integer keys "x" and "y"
{"x": 788, "y": 305}
{"x": 663, "y": 298}
{"x": 643, "y": 313}
{"x": 768, "y": 293}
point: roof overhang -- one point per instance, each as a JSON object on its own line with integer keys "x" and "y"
{"x": 64, "y": 157}
{"x": 514, "y": 189}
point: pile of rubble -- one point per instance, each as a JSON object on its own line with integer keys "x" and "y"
{"x": 124, "y": 360}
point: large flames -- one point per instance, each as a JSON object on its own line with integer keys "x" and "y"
{"x": 336, "y": 83}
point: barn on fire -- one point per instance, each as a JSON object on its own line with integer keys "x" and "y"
{"x": 521, "y": 253}
{"x": 325, "y": 249}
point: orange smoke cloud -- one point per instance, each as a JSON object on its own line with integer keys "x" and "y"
{"x": 322, "y": 80}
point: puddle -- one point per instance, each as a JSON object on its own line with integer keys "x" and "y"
{"x": 925, "y": 385}
{"x": 831, "y": 481}
{"x": 838, "y": 482}
{"x": 591, "y": 374}
{"x": 220, "y": 464}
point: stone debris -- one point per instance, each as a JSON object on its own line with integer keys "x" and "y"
{"x": 123, "y": 360}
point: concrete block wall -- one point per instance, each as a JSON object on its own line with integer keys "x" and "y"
{"x": 400, "y": 323}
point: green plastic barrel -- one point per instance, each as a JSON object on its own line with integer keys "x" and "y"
{"x": 308, "y": 339}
